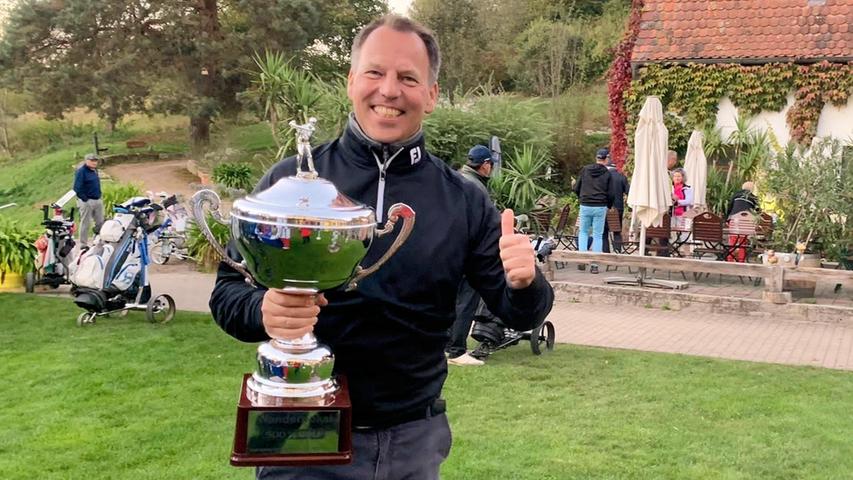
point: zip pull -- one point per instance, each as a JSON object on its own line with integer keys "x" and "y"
{"x": 380, "y": 190}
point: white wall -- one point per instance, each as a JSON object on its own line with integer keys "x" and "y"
{"x": 834, "y": 121}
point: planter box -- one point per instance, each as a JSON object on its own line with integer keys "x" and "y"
{"x": 12, "y": 281}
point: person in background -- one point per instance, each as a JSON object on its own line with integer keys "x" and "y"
{"x": 595, "y": 196}
{"x": 619, "y": 187}
{"x": 682, "y": 194}
{"x": 671, "y": 161}
{"x": 476, "y": 170}
{"x": 742, "y": 201}
{"x": 87, "y": 187}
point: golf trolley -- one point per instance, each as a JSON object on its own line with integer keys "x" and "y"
{"x": 112, "y": 276}
{"x": 160, "y": 309}
{"x": 494, "y": 336}
{"x": 170, "y": 239}
{"x": 55, "y": 247}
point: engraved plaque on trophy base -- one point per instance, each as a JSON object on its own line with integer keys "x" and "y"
{"x": 294, "y": 432}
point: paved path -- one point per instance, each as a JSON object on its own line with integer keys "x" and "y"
{"x": 752, "y": 338}
{"x": 758, "y": 338}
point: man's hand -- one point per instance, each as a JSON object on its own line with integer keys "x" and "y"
{"x": 516, "y": 254}
{"x": 289, "y": 316}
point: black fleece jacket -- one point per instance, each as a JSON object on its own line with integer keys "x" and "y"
{"x": 388, "y": 336}
{"x": 593, "y": 186}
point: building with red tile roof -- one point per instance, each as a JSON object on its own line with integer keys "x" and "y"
{"x": 752, "y": 33}
{"x": 744, "y": 31}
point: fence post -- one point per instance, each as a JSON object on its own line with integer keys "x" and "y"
{"x": 773, "y": 286}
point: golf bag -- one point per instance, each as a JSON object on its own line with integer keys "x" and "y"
{"x": 113, "y": 272}
{"x": 55, "y": 246}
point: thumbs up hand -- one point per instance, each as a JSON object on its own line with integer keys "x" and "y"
{"x": 517, "y": 254}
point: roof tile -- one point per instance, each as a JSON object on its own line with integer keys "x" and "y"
{"x": 740, "y": 29}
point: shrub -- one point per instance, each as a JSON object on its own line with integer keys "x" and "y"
{"x": 198, "y": 246}
{"x": 113, "y": 193}
{"x": 813, "y": 194}
{"x": 452, "y": 130}
{"x": 36, "y": 134}
{"x": 521, "y": 181}
{"x": 17, "y": 252}
{"x": 234, "y": 175}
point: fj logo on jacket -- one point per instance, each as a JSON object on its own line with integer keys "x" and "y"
{"x": 415, "y": 154}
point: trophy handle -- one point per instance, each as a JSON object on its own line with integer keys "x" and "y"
{"x": 396, "y": 211}
{"x": 210, "y": 199}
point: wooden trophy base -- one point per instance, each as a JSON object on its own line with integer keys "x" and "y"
{"x": 294, "y": 433}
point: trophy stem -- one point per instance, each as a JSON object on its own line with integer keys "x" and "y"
{"x": 305, "y": 342}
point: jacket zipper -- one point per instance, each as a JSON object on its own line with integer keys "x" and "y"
{"x": 380, "y": 191}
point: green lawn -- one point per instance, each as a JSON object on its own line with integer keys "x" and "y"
{"x": 33, "y": 180}
{"x": 127, "y": 399}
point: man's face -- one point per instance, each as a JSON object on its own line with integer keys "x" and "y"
{"x": 92, "y": 163}
{"x": 389, "y": 86}
{"x": 486, "y": 169}
{"x": 671, "y": 160}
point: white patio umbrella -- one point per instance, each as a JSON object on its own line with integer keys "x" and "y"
{"x": 696, "y": 166}
{"x": 650, "y": 196}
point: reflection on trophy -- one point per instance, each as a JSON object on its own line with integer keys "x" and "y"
{"x": 301, "y": 236}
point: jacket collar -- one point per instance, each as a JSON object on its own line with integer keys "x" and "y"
{"x": 360, "y": 149}
{"x": 474, "y": 174}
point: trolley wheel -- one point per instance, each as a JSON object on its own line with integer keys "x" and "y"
{"x": 157, "y": 254}
{"x": 160, "y": 309}
{"x": 84, "y": 318}
{"x": 30, "y": 282}
{"x": 543, "y": 334}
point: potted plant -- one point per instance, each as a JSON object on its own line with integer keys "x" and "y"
{"x": 812, "y": 189}
{"x": 17, "y": 253}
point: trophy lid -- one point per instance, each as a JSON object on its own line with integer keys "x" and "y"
{"x": 303, "y": 201}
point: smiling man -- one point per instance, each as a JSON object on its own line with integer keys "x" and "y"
{"x": 389, "y": 335}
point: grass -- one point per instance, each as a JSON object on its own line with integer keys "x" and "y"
{"x": 44, "y": 171}
{"x": 42, "y": 178}
{"x": 126, "y": 399}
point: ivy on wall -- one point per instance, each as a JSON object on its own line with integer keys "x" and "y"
{"x": 618, "y": 81}
{"x": 691, "y": 94}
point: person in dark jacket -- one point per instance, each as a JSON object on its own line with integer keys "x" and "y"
{"x": 595, "y": 195}
{"x": 477, "y": 170}
{"x": 389, "y": 335}
{"x": 87, "y": 187}
{"x": 619, "y": 188}
{"x": 743, "y": 201}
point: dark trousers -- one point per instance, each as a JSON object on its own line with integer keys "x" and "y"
{"x": 467, "y": 301}
{"x": 617, "y": 236}
{"x": 410, "y": 451}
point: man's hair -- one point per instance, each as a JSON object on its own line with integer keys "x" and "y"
{"x": 672, "y": 153}
{"x": 748, "y": 186}
{"x": 403, "y": 25}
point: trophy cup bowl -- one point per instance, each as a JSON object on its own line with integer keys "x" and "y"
{"x": 300, "y": 236}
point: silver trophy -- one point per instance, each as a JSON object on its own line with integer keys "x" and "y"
{"x": 300, "y": 236}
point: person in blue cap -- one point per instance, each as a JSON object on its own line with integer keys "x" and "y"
{"x": 477, "y": 170}
{"x": 87, "y": 187}
{"x": 595, "y": 196}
